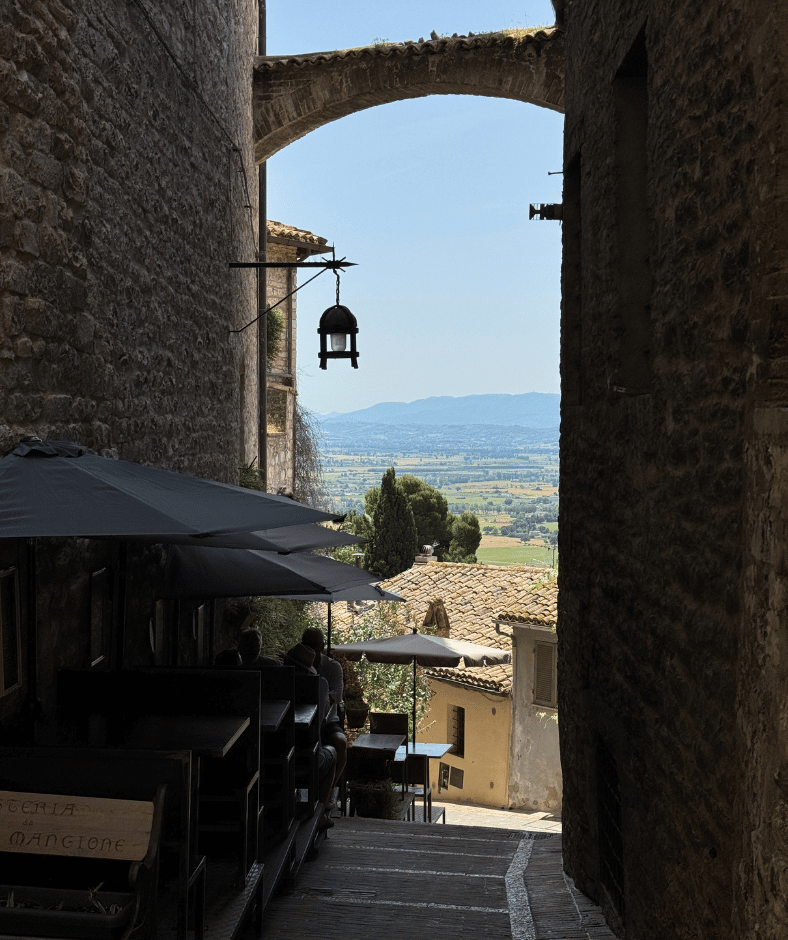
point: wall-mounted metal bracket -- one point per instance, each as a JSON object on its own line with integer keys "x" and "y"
{"x": 548, "y": 211}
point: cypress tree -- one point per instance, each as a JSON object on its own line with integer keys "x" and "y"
{"x": 392, "y": 547}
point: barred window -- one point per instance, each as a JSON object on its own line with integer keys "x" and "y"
{"x": 457, "y": 730}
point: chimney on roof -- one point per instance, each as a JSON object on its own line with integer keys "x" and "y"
{"x": 436, "y": 616}
{"x": 425, "y": 556}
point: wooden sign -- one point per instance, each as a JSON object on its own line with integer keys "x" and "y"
{"x": 83, "y": 826}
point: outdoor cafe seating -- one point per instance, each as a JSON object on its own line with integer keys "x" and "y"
{"x": 250, "y": 752}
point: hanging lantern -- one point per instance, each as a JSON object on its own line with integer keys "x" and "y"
{"x": 336, "y": 325}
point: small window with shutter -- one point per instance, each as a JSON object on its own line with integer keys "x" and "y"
{"x": 457, "y": 730}
{"x": 544, "y": 674}
{"x": 10, "y": 633}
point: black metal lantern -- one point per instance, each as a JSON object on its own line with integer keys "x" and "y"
{"x": 336, "y": 325}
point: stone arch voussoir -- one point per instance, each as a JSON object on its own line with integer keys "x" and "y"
{"x": 296, "y": 94}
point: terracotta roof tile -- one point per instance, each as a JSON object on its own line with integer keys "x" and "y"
{"x": 408, "y": 49}
{"x": 474, "y": 596}
{"x": 541, "y": 608}
{"x": 288, "y": 234}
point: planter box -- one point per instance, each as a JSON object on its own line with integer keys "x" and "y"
{"x": 356, "y": 717}
{"x": 374, "y": 800}
{"x": 74, "y": 925}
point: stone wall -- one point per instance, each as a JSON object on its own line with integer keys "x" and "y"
{"x": 297, "y": 94}
{"x": 673, "y": 575}
{"x": 127, "y": 177}
{"x": 126, "y": 181}
{"x": 282, "y": 374}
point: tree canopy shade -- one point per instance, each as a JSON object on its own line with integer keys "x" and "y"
{"x": 466, "y": 537}
{"x": 430, "y": 510}
{"x": 393, "y": 542}
{"x": 455, "y": 538}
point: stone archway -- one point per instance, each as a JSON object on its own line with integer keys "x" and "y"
{"x": 294, "y": 95}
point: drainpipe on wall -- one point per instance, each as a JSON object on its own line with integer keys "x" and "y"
{"x": 262, "y": 290}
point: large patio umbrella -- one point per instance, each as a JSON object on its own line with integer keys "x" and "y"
{"x": 360, "y": 592}
{"x": 292, "y": 538}
{"x": 57, "y": 488}
{"x": 425, "y": 651}
{"x": 228, "y": 572}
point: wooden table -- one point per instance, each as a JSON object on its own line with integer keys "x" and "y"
{"x": 304, "y": 714}
{"x": 272, "y": 714}
{"x": 205, "y": 736}
{"x": 379, "y": 746}
{"x": 426, "y": 749}
{"x": 423, "y": 748}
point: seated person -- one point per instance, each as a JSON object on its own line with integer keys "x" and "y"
{"x": 250, "y": 642}
{"x": 228, "y": 657}
{"x": 301, "y": 657}
{"x": 332, "y": 731}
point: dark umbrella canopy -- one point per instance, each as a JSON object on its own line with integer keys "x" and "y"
{"x": 293, "y": 538}
{"x": 56, "y": 488}
{"x": 425, "y": 651}
{"x": 229, "y": 572}
{"x": 358, "y": 592}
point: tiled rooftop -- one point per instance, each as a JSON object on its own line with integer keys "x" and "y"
{"x": 411, "y": 48}
{"x": 288, "y": 234}
{"x": 474, "y": 597}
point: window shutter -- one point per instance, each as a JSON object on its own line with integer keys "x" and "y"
{"x": 544, "y": 674}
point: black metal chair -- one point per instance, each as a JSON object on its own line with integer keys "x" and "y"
{"x": 388, "y": 723}
{"x": 417, "y": 769}
{"x": 392, "y": 723}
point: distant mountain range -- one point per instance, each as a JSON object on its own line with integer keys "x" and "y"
{"x": 535, "y": 410}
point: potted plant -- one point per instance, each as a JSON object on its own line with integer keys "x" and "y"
{"x": 35, "y": 912}
{"x": 377, "y": 799}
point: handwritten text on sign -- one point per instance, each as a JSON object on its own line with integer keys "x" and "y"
{"x": 84, "y": 826}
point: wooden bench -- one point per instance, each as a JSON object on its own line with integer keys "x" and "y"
{"x": 100, "y": 708}
{"x": 126, "y": 774}
{"x": 113, "y": 840}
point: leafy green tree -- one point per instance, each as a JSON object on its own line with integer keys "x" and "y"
{"x": 281, "y": 621}
{"x": 466, "y": 537}
{"x": 430, "y": 511}
{"x": 391, "y": 548}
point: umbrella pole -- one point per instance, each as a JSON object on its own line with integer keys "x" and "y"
{"x": 328, "y": 631}
{"x": 414, "y": 704}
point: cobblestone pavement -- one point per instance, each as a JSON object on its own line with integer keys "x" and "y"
{"x": 544, "y": 902}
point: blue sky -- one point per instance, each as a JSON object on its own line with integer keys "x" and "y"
{"x": 455, "y": 292}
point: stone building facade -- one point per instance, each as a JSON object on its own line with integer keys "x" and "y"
{"x": 286, "y": 245}
{"x": 674, "y": 481}
{"x": 127, "y": 184}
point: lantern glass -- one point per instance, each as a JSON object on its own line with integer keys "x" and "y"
{"x": 338, "y": 342}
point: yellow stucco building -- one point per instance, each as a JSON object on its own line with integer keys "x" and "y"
{"x": 499, "y": 719}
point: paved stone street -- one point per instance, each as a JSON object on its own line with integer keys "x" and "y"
{"x": 493, "y": 872}
{"x": 467, "y": 814}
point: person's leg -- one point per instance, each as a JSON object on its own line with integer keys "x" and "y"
{"x": 327, "y": 778}
{"x": 339, "y": 743}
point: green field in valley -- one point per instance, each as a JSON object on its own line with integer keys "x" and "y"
{"x": 522, "y": 554}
